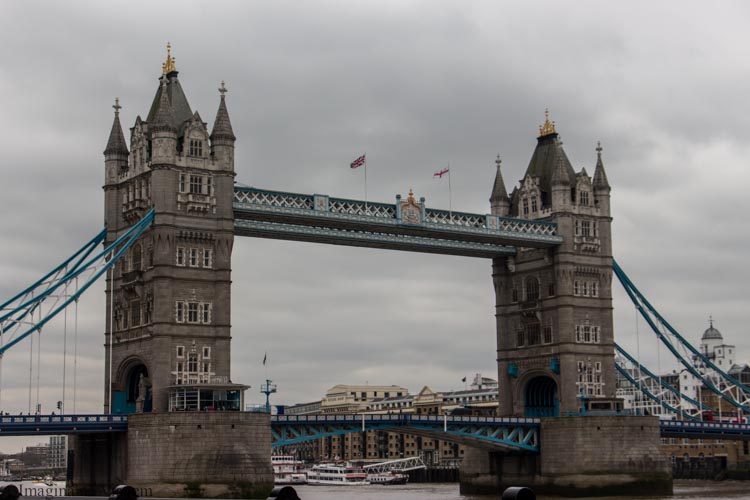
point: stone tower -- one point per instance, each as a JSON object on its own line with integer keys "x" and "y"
{"x": 554, "y": 306}
{"x": 168, "y": 298}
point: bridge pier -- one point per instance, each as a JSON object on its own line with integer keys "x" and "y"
{"x": 579, "y": 457}
{"x": 179, "y": 454}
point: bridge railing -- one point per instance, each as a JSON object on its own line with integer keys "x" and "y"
{"x": 62, "y": 419}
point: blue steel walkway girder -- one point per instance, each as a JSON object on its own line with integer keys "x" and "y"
{"x": 705, "y": 430}
{"x": 509, "y": 434}
{"x": 320, "y": 218}
{"x": 46, "y": 425}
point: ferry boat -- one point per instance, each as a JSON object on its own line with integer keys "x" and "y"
{"x": 387, "y": 478}
{"x": 288, "y": 470}
{"x": 337, "y": 474}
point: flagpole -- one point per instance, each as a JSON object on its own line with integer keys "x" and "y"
{"x": 365, "y": 155}
{"x": 450, "y": 204}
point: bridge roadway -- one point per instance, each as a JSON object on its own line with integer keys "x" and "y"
{"x": 512, "y": 434}
{"x": 404, "y": 225}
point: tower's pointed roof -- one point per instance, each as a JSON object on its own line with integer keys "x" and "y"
{"x": 547, "y": 154}
{"x": 560, "y": 175}
{"x": 222, "y": 124}
{"x": 600, "y": 176}
{"x": 116, "y": 143}
{"x": 499, "y": 193}
{"x": 170, "y": 85}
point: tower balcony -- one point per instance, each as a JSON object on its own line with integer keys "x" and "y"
{"x": 197, "y": 202}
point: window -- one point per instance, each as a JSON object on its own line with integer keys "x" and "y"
{"x": 206, "y": 313}
{"x": 533, "y": 204}
{"x": 135, "y": 313}
{"x": 520, "y": 339}
{"x": 206, "y": 353}
{"x": 584, "y": 197}
{"x": 526, "y": 206}
{"x": 585, "y": 228}
{"x": 594, "y": 289}
{"x": 180, "y": 312}
{"x": 196, "y": 184}
{"x": 576, "y": 289}
{"x": 547, "y": 334}
{"x": 182, "y": 183}
{"x": 192, "y": 312}
{"x": 196, "y": 147}
{"x": 137, "y": 258}
{"x": 193, "y": 257}
{"x": 192, "y": 363}
{"x": 180, "y": 351}
{"x": 533, "y": 333}
{"x": 180, "y": 256}
{"x": 551, "y": 290}
{"x": 514, "y": 295}
{"x": 207, "y": 258}
{"x": 532, "y": 289}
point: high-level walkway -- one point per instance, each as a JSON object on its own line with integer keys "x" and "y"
{"x": 338, "y": 221}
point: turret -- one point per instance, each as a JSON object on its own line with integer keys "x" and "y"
{"x": 116, "y": 152}
{"x": 499, "y": 201}
{"x": 560, "y": 183}
{"x": 163, "y": 131}
{"x": 601, "y": 184}
{"x": 222, "y": 135}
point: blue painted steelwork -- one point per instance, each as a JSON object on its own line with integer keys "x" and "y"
{"x": 649, "y": 373}
{"x": 20, "y": 315}
{"x": 514, "y": 433}
{"x": 33, "y": 425}
{"x": 647, "y": 311}
{"x": 651, "y": 395}
{"x": 705, "y": 430}
{"x": 277, "y": 214}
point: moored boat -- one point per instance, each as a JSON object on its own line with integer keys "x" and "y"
{"x": 288, "y": 470}
{"x": 387, "y": 478}
{"x": 343, "y": 474}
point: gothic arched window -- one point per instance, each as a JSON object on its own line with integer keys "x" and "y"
{"x": 532, "y": 289}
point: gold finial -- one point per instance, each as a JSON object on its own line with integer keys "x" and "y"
{"x": 548, "y": 127}
{"x": 168, "y": 65}
{"x": 411, "y": 199}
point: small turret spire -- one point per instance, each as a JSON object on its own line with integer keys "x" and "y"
{"x": 600, "y": 176}
{"x": 164, "y": 118}
{"x": 222, "y": 125}
{"x": 499, "y": 193}
{"x": 116, "y": 143}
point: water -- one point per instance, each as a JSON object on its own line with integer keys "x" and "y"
{"x": 683, "y": 489}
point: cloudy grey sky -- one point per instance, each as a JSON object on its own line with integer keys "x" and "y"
{"x": 416, "y": 85}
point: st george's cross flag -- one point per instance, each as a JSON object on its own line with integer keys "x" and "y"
{"x": 358, "y": 162}
{"x": 441, "y": 173}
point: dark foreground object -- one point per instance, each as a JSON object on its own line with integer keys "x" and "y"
{"x": 9, "y": 492}
{"x": 518, "y": 493}
{"x": 283, "y": 493}
{"x": 123, "y": 492}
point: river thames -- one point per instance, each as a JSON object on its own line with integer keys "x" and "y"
{"x": 425, "y": 491}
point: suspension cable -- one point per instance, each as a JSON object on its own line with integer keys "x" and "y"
{"x": 65, "y": 349}
{"x": 75, "y": 353}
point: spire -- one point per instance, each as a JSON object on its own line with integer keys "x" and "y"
{"x": 548, "y": 128}
{"x": 499, "y": 193}
{"x": 600, "y": 177}
{"x": 222, "y": 125}
{"x": 116, "y": 143}
{"x": 163, "y": 117}
{"x": 168, "y": 66}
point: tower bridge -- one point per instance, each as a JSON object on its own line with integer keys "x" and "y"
{"x": 171, "y": 410}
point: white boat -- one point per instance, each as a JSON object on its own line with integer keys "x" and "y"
{"x": 337, "y": 474}
{"x": 387, "y": 478}
{"x": 288, "y": 470}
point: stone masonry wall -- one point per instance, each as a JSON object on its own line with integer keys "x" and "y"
{"x": 170, "y": 450}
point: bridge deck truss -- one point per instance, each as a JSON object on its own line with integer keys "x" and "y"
{"x": 30, "y": 425}
{"x": 323, "y": 219}
{"x": 519, "y": 434}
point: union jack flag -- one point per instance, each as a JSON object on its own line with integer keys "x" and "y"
{"x": 441, "y": 173}
{"x": 358, "y": 162}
